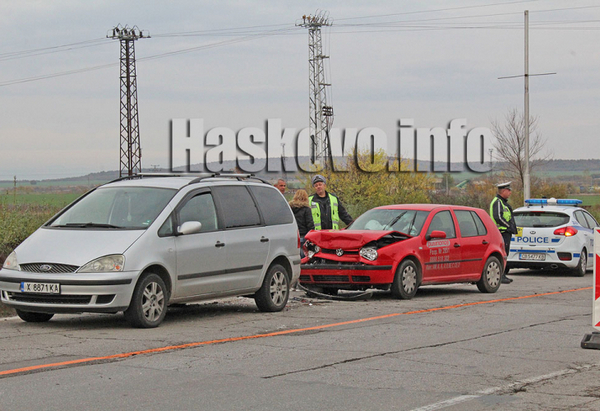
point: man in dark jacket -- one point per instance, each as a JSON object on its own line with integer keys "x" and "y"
{"x": 327, "y": 210}
{"x": 502, "y": 214}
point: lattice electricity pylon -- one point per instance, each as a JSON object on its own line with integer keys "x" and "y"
{"x": 131, "y": 151}
{"x": 320, "y": 113}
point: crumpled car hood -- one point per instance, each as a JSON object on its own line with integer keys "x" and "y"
{"x": 347, "y": 239}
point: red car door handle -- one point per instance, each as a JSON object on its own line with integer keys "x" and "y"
{"x": 456, "y": 245}
{"x": 484, "y": 242}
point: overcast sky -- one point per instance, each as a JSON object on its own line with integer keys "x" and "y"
{"x": 432, "y": 61}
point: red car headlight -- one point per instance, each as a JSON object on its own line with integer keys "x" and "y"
{"x": 311, "y": 249}
{"x": 369, "y": 253}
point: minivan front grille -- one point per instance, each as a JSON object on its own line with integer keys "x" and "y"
{"x": 48, "y": 268}
{"x": 49, "y": 299}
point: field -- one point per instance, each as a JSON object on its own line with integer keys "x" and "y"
{"x": 588, "y": 199}
{"x": 42, "y": 199}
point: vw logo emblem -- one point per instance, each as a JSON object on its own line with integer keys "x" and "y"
{"x": 339, "y": 252}
{"x": 45, "y": 267}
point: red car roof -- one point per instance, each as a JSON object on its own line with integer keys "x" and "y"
{"x": 422, "y": 207}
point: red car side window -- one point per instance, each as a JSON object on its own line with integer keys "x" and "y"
{"x": 443, "y": 221}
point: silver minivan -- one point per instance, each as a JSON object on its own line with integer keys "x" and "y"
{"x": 142, "y": 243}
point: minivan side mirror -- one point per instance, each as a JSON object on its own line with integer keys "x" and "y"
{"x": 189, "y": 227}
{"x": 436, "y": 234}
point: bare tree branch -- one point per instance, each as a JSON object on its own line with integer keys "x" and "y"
{"x": 510, "y": 145}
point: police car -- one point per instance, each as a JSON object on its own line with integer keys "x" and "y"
{"x": 553, "y": 234}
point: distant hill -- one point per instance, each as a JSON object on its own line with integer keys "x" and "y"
{"x": 553, "y": 167}
{"x": 591, "y": 165}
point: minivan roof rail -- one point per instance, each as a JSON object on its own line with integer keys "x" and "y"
{"x": 237, "y": 176}
{"x": 200, "y": 176}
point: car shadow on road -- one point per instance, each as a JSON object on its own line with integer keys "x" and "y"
{"x": 177, "y": 313}
{"x": 556, "y": 273}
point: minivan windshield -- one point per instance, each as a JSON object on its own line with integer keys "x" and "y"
{"x": 116, "y": 208}
{"x": 540, "y": 219}
{"x": 405, "y": 221}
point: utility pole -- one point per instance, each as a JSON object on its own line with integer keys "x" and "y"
{"x": 131, "y": 152}
{"x": 320, "y": 113}
{"x": 526, "y": 75}
{"x": 526, "y": 178}
{"x": 283, "y": 157}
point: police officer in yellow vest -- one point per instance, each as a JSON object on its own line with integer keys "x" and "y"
{"x": 326, "y": 208}
{"x": 502, "y": 214}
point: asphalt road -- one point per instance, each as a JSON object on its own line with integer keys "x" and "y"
{"x": 451, "y": 347}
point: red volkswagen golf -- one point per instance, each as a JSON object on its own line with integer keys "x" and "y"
{"x": 403, "y": 247}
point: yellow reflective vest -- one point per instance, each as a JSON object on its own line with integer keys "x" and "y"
{"x": 316, "y": 212}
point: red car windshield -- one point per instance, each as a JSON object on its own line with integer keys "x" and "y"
{"x": 405, "y": 221}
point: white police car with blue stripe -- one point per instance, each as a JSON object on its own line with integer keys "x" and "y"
{"x": 553, "y": 234}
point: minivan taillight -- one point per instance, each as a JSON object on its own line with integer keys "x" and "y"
{"x": 299, "y": 245}
{"x": 566, "y": 231}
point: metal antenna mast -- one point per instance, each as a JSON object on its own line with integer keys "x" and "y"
{"x": 320, "y": 113}
{"x": 131, "y": 152}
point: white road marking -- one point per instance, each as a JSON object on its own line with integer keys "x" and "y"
{"x": 495, "y": 390}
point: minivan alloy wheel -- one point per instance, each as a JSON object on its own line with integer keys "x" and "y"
{"x": 148, "y": 305}
{"x": 275, "y": 290}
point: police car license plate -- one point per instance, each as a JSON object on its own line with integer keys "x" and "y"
{"x": 532, "y": 256}
{"x": 40, "y": 288}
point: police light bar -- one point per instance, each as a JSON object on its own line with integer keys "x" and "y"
{"x": 553, "y": 201}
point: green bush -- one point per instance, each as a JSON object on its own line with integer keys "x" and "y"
{"x": 17, "y": 222}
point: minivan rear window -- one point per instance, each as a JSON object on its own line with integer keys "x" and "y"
{"x": 273, "y": 206}
{"x": 237, "y": 206}
{"x": 540, "y": 219}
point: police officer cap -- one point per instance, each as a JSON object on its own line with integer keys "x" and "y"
{"x": 502, "y": 186}
{"x": 318, "y": 178}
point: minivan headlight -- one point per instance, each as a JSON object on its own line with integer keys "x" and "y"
{"x": 106, "y": 264}
{"x": 369, "y": 253}
{"x": 11, "y": 262}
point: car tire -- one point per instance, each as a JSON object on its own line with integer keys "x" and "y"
{"x": 148, "y": 305}
{"x": 491, "y": 276}
{"x": 32, "y": 317}
{"x": 274, "y": 291}
{"x": 581, "y": 268}
{"x": 406, "y": 280}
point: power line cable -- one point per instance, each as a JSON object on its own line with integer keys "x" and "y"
{"x": 51, "y": 50}
{"x": 151, "y": 57}
{"x": 15, "y": 53}
{"x": 438, "y": 10}
{"x": 401, "y": 25}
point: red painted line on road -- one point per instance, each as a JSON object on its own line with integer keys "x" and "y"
{"x": 273, "y": 334}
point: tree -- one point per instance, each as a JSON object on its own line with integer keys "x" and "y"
{"x": 368, "y": 184}
{"x": 510, "y": 145}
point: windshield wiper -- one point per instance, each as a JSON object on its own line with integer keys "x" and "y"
{"x": 87, "y": 225}
{"x": 394, "y": 221}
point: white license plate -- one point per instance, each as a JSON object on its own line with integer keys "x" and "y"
{"x": 40, "y": 288}
{"x": 532, "y": 256}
